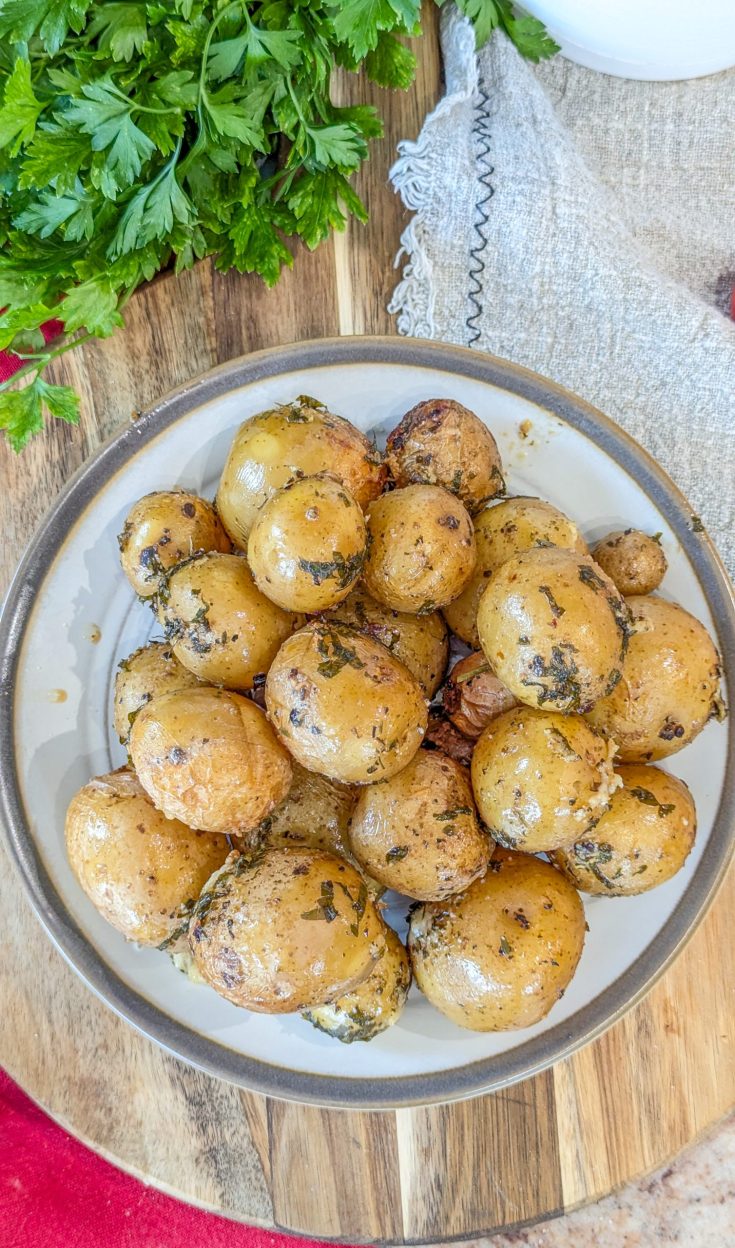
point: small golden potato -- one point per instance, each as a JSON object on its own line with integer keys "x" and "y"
{"x": 298, "y": 439}
{"x": 146, "y": 674}
{"x": 473, "y": 695}
{"x": 633, "y": 561}
{"x": 642, "y": 840}
{"x": 220, "y": 625}
{"x": 209, "y": 758}
{"x": 419, "y": 641}
{"x": 502, "y": 532}
{"x": 418, "y": 832}
{"x": 375, "y": 1005}
{"x": 670, "y": 685}
{"x": 541, "y": 779}
{"x": 162, "y": 529}
{"x": 343, "y": 705}
{"x": 500, "y": 955}
{"x": 284, "y": 929}
{"x": 554, "y": 629}
{"x": 307, "y": 544}
{"x": 422, "y": 548}
{"x": 142, "y": 871}
{"x": 440, "y": 442}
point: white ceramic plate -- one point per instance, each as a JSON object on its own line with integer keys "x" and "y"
{"x": 71, "y": 616}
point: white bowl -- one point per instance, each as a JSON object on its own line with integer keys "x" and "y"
{"x": 71, "y": 616}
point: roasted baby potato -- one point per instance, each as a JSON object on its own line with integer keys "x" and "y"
{"x": 421, "y": 548}
{"x": 502, "y": 532}
{"x": 633, "y": 561}
{"x": 142, "y": 871}
{"x": 418, "y": 832}
{"x": 419, "y": 641}
{"x": 640, "y": 842}
{"x": 554, "y": 629}
{"x": 473, "y": 695}
{"x": 376, "y": 1003}
{"x": 500, "y": 955}
{"x": 541, "y": 780}
{"x": 220, "y": 625}
{"x": 296, "y": 440}
{"x": 670, "y": 685}
{"x": 343, "y": 705}
{"x": 440, "y": 442}
{"x": 210, "y": 759}
{"x": 162, "y": 529}
{"x": 441, "y": 734}
{"x": 307, "y": 544}
{"x": 285, "y": 929}
{"x": 146, "y": 674}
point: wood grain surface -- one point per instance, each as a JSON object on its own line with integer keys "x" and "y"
{"x": 618, "y": 1108}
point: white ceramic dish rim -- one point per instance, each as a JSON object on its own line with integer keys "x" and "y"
{"x": 528, "y": 1058}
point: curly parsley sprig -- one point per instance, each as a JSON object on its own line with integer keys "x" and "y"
{"x": 135, "y": 135}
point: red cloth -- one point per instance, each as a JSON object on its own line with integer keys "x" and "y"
{"x": 56, "y": 1193}
{"x": 10, "y": 363}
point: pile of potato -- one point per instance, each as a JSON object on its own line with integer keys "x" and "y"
{"x": 296, "y": 745}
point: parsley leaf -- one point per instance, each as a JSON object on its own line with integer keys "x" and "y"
{"x": 20, "y": 109}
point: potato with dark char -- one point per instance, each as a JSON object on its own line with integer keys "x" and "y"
{"x": 499, "y": 956}
{"x": 220, "y": 625}
{"x": 634, "y": 561}
{"x": 162, "y": 529}
{"x": 419, "y": 641}
{"x": 640, "y": 842}
{"x": 540, "y": 779}
{"x": 441, "y": 734}
{"x": 209, "y": 758}
{"x": 142, "y": 871}
{"x": 418, "y": 832}
{"x": 375, "y": 1005}
{"x": 143, "y": 675}
{"x": 473, "y": 695}
{"x": 343, "y": 705}
{"x": 440, "y": 442}
{"x": 307, "y": 544}
{"x": 297, "y": 439}
{"x": 285, "y": 929}
{"x": 503, "y": 531}
{"x": 554, "y": 629}
{"x": 670, "y": 685}
{"x": 421, "y": 550}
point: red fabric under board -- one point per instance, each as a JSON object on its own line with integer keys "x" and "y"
{"x": 10, "y": 364}
{"x": 56, "y": 1193}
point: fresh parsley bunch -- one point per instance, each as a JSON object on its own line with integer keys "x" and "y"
{"x": 134, "y": 135}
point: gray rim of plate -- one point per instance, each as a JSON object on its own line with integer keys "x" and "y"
{"x": 529, "y": 1057}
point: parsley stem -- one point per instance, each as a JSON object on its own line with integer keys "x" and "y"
{"x": 37, "y": 363}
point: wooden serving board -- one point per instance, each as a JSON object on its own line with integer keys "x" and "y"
{"x": 620, "y": 1107}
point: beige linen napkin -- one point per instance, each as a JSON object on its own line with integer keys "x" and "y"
{"x": 585, "y": 227}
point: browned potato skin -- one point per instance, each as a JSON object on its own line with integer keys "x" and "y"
{"x": 146, "y": 674}
{"x": 670, "y": 684}
{"x": 307, "y": 544}
{"x": 440, "y": 442}
{"x": 418, "y": 832}
{"x": 375, "y": 1005}
{"x": 141, "y": 870}
{"x": 163, "y": 528}
{"x": 554, "y": 629}
{"x": 419, "y": 641}
{"x": 499, "y": 956}
{"x": 220, "y": 625}
{"x": 209, "y": 758}
{"x": 296, "y": 440}
{"x": 285, "y": 929}
{"x": 642, "y": 841}
{"x": 540, "y": 779}
{"x": 634, "y": 561}
{"x": 473, "y": 695}
{"x": 343, "y": 705}
{"x": 502, "y": 532}
{"x": 422, "y": 548}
